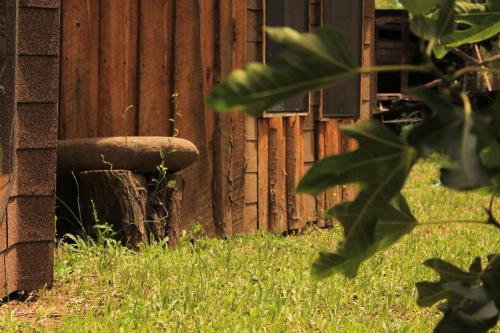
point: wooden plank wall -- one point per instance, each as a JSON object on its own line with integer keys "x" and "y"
{"x": 143, "y": 67}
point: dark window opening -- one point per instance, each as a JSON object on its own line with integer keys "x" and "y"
{"x": 389, "y": 83}
{"x": 294, "y": 14}
{"x": 343, "y": 100}
{"x": 390, "y": 34}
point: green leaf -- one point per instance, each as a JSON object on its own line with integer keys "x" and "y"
{"x": 487, "y": 129}
{"x": 491, "y": 279}
{"x": 477, "y": 318}
{"x": 470, "y": 296}
{"x": 438, "y": 24}
{"x": 312, "y": 61}
{"x": 380, "y": 152}
{"x": 482, "y": 21}
{"x": 490, "y": 156}
{"x": 420, "y": 7}
{"x": 449, "y": 272}
{"x": 392, "y": 222}
{"x": 378, "y": 216}
{"x": 387, "y": 4}
{"x": 449, "y": 130}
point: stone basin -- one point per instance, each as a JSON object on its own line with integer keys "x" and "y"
{"x": 140, "y": 154}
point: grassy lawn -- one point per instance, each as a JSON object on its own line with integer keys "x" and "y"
{"x": 258, "y": 283}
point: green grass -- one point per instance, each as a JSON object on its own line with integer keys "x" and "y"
{"x": 258, "y": 283}
{"x": 388, "y": 4}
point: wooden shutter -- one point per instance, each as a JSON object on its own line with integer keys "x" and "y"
{"x": 343, "y": 100}
{"x": 294, "y": 14}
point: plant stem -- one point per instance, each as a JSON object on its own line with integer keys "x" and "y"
{"x": 483, "y": 72}
{"x": 428, "y": 50}
{"x": 465, "y": 56}
{"x": 491, "y": 59}
{"x": 472, "y": 69}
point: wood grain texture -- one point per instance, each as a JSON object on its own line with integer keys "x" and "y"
{"x": 118, "y": 70}
{"x": 190, "y": 118}
{"x": 294, "y": 172}
{"x": 277, "y": 178}
{"x": 151, "y": 50}
{"x": 155, "y": 43}
{"x": 320, "y": 154}
{"x": 79, "y": 99}
{"x": 120, "y": 198}
{"x": 223, "y": 149}
{"x": 209, "y": 56}
{"x": 368, "y": 81}
{"x": 263, "y": 172}
{"x": 310, "y": 215}
{"x": 333, "y": 146}
{"x": 349, "y": 192}
{"x": 237, "y": 19}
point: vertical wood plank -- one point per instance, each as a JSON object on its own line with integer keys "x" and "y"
{"x": 155, "y": 43}
{"x": 237, "y": 43}
{"x": 189, "y": 117}
{"x": 257, "y": 129}
{"x": 310, "y": 215}
{"x": 209, "y": 53}
{"x": 333, "y": 146}
{"x": 294, "y": 172}
{"x": 320, "y": 154}
{"x": 222, "y": 175}
{"x": 349, "y": 192}
{"x": 277, "y": 179}
{"x": 118, "y": 75}
{"x": 311, "y": 135}
{"x": 263, "y": 175}
{"x": 251, "y": 216}
{"x": 79, "y": 69}
{"x": 223, "y": 150}
{"x": 368, "y": 81}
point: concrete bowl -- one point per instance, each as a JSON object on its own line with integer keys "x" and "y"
{"x": 140, "y": 154}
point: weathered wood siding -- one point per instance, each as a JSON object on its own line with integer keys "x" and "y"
{"x": 144, "y": 67}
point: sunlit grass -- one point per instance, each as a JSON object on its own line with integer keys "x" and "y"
{"x": 258, "y": 283}
{"x": 388, "y": 4}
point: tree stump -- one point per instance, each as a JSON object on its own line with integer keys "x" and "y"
{"x": 164, "y": 208}
{"x": 139, "y": 210}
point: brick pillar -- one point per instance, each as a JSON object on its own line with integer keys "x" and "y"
{"x": 29, "y": 238}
